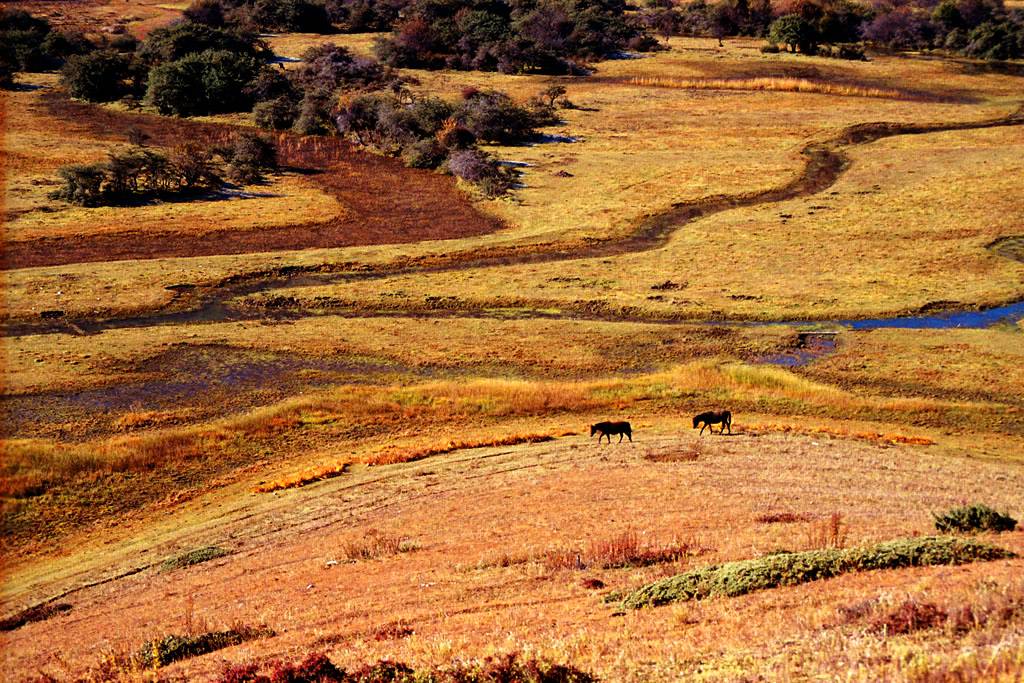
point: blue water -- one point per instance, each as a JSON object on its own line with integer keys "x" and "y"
{"x": 969, "y": 319}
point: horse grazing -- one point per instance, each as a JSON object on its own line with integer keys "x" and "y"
{"x": 603, "y": 429}
{"x": 714, "y": 417}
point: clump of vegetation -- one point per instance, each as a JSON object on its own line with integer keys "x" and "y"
{"x": 908, "y": 617}
{"x": 628, "y": 549}
{"x": 429, "y": 132}
{"x": 29, "y": 43}
{"x": 171, "y": 648}
{"x": 32, "y": 614}
{"x": 514, "y": 37}
{"x": 375, "y": 544}
{"x": 197, "y": 556}
{"x": 317, "y": 668}
{"x": 973, "y": 518}
{"x": 139, "y": 173}
{"x": 790, "y": 569}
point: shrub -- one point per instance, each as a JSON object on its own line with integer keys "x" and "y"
{"x": 192, "y": 557}
{"x": 317, "y": 668}
{"x": 249, "y": 157}
{"x": 494, "y": 117}
{"x": 82, "y": 184}
{"x": 479, "y": 167}
{"x": 907, "y": 617}
{"x": 277, "y": 114}
{"x": 790, "y": 569}
{"x": 358, "y": 16}
{"x": 179, "y": 40}
{"x": 101, "y": 76}
{"x": 202, "y": 83}
{"x": 974, "y": 518}
{"x": 172, "y": 648}
{"x": 33, "y": 614}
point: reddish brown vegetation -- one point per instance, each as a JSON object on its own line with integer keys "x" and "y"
{"x": 385, "y": 202}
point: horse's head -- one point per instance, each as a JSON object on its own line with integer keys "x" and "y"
{"x": 696, "y": 421}
{"x": 593, "y": 430}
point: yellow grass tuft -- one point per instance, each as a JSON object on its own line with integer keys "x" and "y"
{"x": 765, "y": 83}
{"x": 395, "y": 456}
{"x": 875, "y": 437}
{"x": 307, "y": 477}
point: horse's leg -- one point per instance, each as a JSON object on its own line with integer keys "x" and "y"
{"x": 620, "y": 437}
{"x": 630, "y": 435}
{"x": 730, "y": 427}
{"x": 702, "y": 429}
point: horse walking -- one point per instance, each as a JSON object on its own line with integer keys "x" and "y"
{"x": 714, "y": 417}
{"x": 603, "y": 429}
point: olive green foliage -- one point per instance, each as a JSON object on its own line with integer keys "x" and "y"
{"x": 192, "y": 557}
{"x": 790, "y": 569}
{"x": 171, "y": 648}
{"x": 974, "y": 518}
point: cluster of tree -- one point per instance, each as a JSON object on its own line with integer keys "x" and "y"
{"x": 305, "y": 16}
{"x": 291, "y": 16}
{"x": 30, "y": 44}
{"x": 511, "y": 36}
{"x": 304, "y": 99}
{"x": 139, "y": 173}
{"x": 977, "y": 28}
{"x": 429, "y": 132}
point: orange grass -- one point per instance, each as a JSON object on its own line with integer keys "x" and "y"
{"x": 875, "y": 437}
{"x": 307, "y": 477}
{"x": 395, "y": 456}
{"x": 766, "y": 83}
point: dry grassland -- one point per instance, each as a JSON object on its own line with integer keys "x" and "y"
{"x": 641, "y": 151}
{"x": 459, "y": 596}
{"x": 918, "y": 212}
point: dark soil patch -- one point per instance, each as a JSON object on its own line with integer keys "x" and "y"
{"x": 386, "y": 202}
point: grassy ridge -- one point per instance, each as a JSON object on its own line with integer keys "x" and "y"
{"x": 789, "y": 569}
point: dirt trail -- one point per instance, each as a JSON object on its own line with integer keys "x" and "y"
{"x": 825, "y": 163}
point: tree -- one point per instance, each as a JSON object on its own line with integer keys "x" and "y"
{"x": 250, "y": 156}
{"x": 795, "y": 33}
{"x": 82, "y": 184}
{"x": 204, "y": 83}
{"x": 100, "y": 76}
{"x": 192, "y": 166}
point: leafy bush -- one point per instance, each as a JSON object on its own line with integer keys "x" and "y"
{"x": 192, "y": 557}
{"x": 171, "y": 648}
{"x": 101, "y": 76}
{"x": 358, "y": 16}
{"x": 476, "y": 166}
{"x": 249, "y": 157}
{"x": 276, "y": 114}
{"x": 974, "y": 518}
{"x": 202, "y": 83}
{"x": 790, "y": 569}
{"x": 33, "y": 614}
{"x": 493, "y": 116}
{"x": 174, "y": 42}
{"x": 317, "y": 668}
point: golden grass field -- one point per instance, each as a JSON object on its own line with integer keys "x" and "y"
{"x": 391, "y": 441}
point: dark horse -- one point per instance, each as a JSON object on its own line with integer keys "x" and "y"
{"x": 603, "y": 429}
{"x": 714, "y": 417}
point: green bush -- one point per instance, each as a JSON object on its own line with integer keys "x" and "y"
{"x": 171, "y": 648}
{"x": 790, "y": 569}
{"x": 974, "y": 518}
{"x": 210, "y": 552}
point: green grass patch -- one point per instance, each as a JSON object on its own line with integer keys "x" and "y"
{"x": 973, "y": 518}
{"x": 171, "y": 648}
{"x": 790, "y": 569}
{"x": 197, "y": 556}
